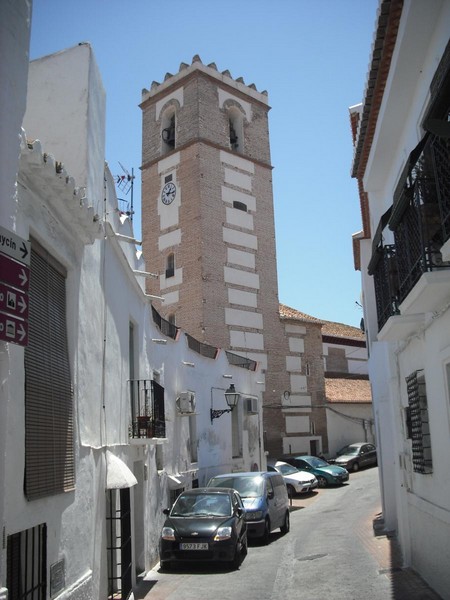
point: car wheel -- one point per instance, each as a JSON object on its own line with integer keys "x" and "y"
{"x": 355, "y": 467}
{"x": 322, "y": 481}
{"x": 287, "y": 524}
{"x": 290, "y": 490}
{"x": 266, "y": 534}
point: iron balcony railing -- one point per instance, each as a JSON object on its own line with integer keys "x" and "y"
{"x": 420, "y": 220}
{"x": 386, "y": 284}
{"x": 166, "y": 327}
{"x": 147, "y": 409}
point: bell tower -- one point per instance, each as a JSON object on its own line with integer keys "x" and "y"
{"x": 207, "y": 213}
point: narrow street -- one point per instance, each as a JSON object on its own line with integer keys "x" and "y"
{"x": 330, "y": 552}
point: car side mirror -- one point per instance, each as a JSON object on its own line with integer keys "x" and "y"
{"x": 239, "y": 511}
{"x": 270, "y": 494}
{"x": 166, "y": 511}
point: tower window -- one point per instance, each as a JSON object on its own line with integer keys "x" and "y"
{"x": 239, "y": 205}
{"x": 170, "y": 266}
{"x": 236, "y": 129}
{"x": 168, "y": 131}
{"x": 234, "y": 141}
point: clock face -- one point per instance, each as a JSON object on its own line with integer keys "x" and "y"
{"x": 168, "y": 193}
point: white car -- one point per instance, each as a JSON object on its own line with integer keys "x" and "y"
{"x": 297, "y": 482}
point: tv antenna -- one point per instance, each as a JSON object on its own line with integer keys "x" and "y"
{"x": 125, "y": 184}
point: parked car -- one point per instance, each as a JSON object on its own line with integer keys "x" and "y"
{"x": 326, "y": 474}
{"x": 355, "y": 456}
{"x": 265, "y": 500}
{"x": 297, "y": 482}
{"x": 204, "y": 524}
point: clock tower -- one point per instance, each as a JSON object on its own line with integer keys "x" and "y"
{"x": 208, "y": 220}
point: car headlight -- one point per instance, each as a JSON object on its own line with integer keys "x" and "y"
{"x": 223, "y": 533}
{"x": 168, "y": 533}
{"x": 253, "y": 516}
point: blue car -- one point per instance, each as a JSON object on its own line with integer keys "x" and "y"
{"x": 325, "y": 473}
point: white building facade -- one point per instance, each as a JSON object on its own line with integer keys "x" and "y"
{"x": 401, "y": 139}
{"x": 107, "y": 411}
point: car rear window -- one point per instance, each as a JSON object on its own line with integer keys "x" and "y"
{"x": 251, "y": 486}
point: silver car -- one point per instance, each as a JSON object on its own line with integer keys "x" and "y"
{"x": 355, "y": 456}
{"x": 297, "y": 482}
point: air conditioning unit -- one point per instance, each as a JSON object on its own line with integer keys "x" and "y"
{"x": 251, "y": 406}
{"x": 186, "y": 403}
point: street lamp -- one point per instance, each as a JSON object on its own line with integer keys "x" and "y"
{"x": 232, "y": 398}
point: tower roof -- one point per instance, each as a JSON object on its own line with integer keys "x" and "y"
{"x": 211, "y": 70}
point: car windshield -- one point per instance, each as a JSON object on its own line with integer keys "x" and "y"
{"x": 348, "y": 450}
{"x": 202, "y": 505}
{"x": 286, "y": 469}
{"x": 315, "y": 462}
{"x": 248, "y": 487}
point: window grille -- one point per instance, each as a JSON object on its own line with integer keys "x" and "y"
{"x": 49, "y": 441}
{"x": 26, "y": 575}
{"x": 420, "y": 428}
{"x": 119, "y": 544}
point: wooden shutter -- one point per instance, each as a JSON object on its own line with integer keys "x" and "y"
{"x": 49, "y": 444}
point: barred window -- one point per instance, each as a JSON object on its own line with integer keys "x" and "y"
{"x": 420, "y": 428}
{"x": 49, "y": 439}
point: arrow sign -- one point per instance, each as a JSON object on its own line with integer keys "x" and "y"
{"x": 13, "y": 301}
{"x": 14, "y": 246}
{"x": 14, "y": 273}
{"x": 13, "y": 330}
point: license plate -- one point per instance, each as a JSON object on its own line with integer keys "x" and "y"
{"x": 194, "y": 546}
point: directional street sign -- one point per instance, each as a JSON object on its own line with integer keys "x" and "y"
{"x": 13, "y": 330}
{"x": 14, "y": 273}
{"x": 15, "y": 255}
{"x": 15, "y": 246}
{"x": 13, "y": 301}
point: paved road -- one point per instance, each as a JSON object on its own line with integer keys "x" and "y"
{"x": 330, "y": 552}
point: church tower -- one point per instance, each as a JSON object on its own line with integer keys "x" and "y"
{"x": 208, "y": 221}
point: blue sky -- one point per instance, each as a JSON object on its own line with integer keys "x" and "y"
{"x": 312, "y": 56}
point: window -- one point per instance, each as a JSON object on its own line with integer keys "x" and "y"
{"x": 119, "y": 543}
{"x": 420, "y": 429}
{"x": 168, "y": 124}
{"x": 26, "y": 574}
{"x": 236, "y": 433}
{"x": 170, "y": 265}
{"x": 49, "y": 440}
{"x": 239, "y": 205}
{"x": 193, "y": 438}
{"x": 236, "y": 129}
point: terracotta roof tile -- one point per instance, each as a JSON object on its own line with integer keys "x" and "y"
{"x": 328, "y": 327}
{"x": 348, "y": 391}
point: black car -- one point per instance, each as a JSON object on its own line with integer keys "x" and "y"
{"x": 204, "y": 524}
{"x": 355, "y": 456}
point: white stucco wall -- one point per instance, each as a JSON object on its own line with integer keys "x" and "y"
{"x": 15, "y": 19}
{"x": 415, "y": 505}
{"x": 103, "y": 297}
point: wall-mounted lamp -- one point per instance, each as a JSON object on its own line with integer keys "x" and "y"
{"x": 232, "y": 398}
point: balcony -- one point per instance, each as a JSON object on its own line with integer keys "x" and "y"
{"x": 411, "y": 276}
{"x": 147, "y": 410}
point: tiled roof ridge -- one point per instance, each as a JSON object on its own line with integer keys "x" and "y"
{"x": 328, "y": 327}
{"x": 196, "y": 59}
